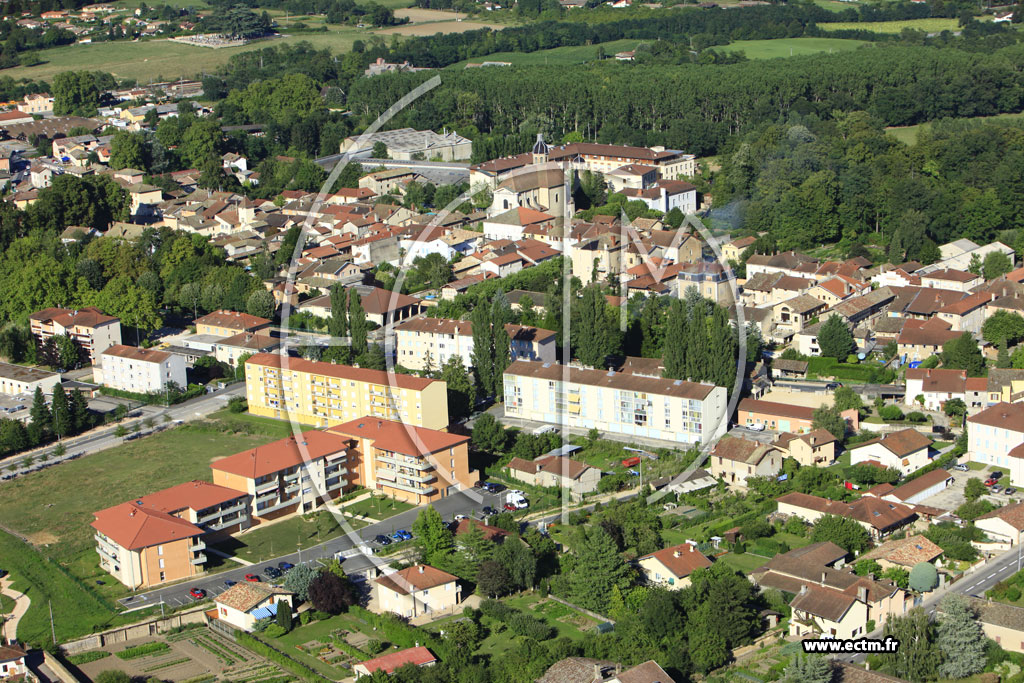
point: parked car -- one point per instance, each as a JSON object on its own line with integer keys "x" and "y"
{"x": 1010, "y": 491}
{"x": 997, "y": 488}
{"x": 510, "y": 507}
{"x": 272, "y": 572}
{"x": 285, "y": 566}
{"x": 252, "y": 578}
{"x": 996, "y": 475}
{"x": 229, "y": 583}
{"x": 488, "y": 510}
{"x": 491, "y": 487}
{"x": 403, "y": 535}
{"x": 197, "y": 593}
{"x": 961, "y": 468}
{"x": 521, "y": 504}
{"x": 459, "y": 518}
{"x": 753, "y": 426}
{"x": 990, "y": 482}
{"x": 832, "y": 386}
{"x": 382, "y": 539}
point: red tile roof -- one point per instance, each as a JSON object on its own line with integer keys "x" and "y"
{"x": 194, "y": 495}
{"x": 381, "y": 377}
{"x": 418, "y": 656}
{"x": 280, "y": 455}
{"x": 681, "y": 559}
{"x": 136, "y": 353}
{"x": 418, "y": 577}
{"x": 233, "y": 320}
{"x": 1003, "y": 415}
{"x": 135, "y": 526}
{"x": 399, "y": 437}
{"x": 89, "y": 316}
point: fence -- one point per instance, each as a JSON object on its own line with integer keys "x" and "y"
{"x": 143, "y": 629}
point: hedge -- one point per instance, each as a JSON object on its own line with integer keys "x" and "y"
{"x": 142, "y": 650}
{"x": 397, "y": 632}
{"x": 273, "y": 654}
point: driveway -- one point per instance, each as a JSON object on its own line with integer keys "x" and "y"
{"x": 953, "y": 496}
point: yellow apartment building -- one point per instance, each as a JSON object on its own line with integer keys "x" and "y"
{"x": 322, "y": 394}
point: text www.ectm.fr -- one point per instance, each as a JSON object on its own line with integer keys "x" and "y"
{"x": 833, "y": 646}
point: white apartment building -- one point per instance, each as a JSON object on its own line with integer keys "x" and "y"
{"x": 619, "y": 403}
{"x": 140, "y": 371}
{"x": 996, "y": 437}
{"x": 423, "y": 342}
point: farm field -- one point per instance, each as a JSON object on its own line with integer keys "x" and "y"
{"x": 908, "y": 134}
{"x": 53, "y": 509}
{"x": 574, "y": 54}
{"x": 932, "y": 25}
{"x": 790, "y": 47}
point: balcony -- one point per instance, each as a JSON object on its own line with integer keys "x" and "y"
{"x": 197, "y": 546}
{"x": 266, "y": 487}
{"x": 270, "y": 495}
{"x": 385, "y": 473}
{"x": 416, "y": 464}
{"x": 198, "y": 559}
{"x": 423, "y": 490}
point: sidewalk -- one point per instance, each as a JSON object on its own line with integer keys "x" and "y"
{"x": 21, "y": 605}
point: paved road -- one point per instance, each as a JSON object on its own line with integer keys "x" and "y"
{"x": 464, "y": 502}
{"x": 103, "y": 438}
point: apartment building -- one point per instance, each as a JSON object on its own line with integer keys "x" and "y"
{"x": 288, "y": 475}
{"x": 93, "y": 331}
{"x": 18, "y": 379}
{"x": 142, "y": 546}
{"x": 225, "y": 323}
{"x": 162, "y": 536}
{"x": 410, "y": 463}
{"x": 430, "y": 342}
{"x": 996, "y": 437}
{"x": 140, "y": 371}
{"x": 318, "y": 393}
{"x": 619, "y": 403}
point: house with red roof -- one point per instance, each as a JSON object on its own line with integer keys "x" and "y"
{"x": 416, "y": 591}
{"x": 93, "y": 331}
{"x": 417, "y": 656}
{"x": 671, "y": 567}
{"x": 938, "y": 385}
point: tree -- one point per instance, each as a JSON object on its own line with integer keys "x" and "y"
{"x": 358, "y": 327}
{"x": 331, "y": 593}
{"x": 337, "y": 325}
{"x": 590, "y": 328}
{"x": 829, "y": 418}
{"x": 518, "y": 561}
{"x": 75, "y": 93}
{"x": 708, "y": 650}
{"x": 41, "y": 420}
{"x": 974, "y": 489}
{"x": 297, "y": 580}
{"x": 924, "y": 577}
{"x": 493, "y": 580}
{"x": 955, "y": 407}
{"x": 843, "y": 531}
{"x": 129, "y": 150}
{"x": 459, "y": 386}
{"x": 261, "y": 304}
{"x": 488, "y": 434}
{"x": 808, "y": 669}
{"x": 867, "y": 567}
{"x": 1003, "y": 327}
{"x": 597, "y": 569}
{"x": 284, "y": 615}
{"x": 963, "y": 353}
{"x": 835, "y": 339}
{"x": 996, "y": 263}
{"x": 434, "y": 537}
{"x": 482, "y": 356}
{"x": 380, "y": 151}
{"x": 845, "y": 398}
{"x": 471, "y": 549}
{"x": 62, "y": 421}
{"x": 960, "y": 638}
{"x": 917, "y": 657}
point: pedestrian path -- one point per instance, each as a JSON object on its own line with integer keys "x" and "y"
{"x": 21, "y": 604}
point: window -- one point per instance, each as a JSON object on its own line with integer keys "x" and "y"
{"x": 160, "y": 550}
{"x": 161, "y": 563}
{"x": 162, "y": 577}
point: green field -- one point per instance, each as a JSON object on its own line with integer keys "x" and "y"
{"x": 285, "y": 536}
{"x": 378, "y": 507}
{"x": 575, "y": 54}
{"x": 933, "y": 25}
{"x": 53, "y": 509}
{"x": 746, "y": 563}
{"x": 790, "y": 47}
{"x": 161, "y": 59}
{"x": 908, "y": 134}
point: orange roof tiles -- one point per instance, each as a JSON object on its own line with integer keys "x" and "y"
{"x": 682, "y": 560}
{"x": 418, "y": 577}
{"x": 417, "y": 656}
{"x": 381, "y": 377}
{"x": 280, "y": 455}
{"x": 398, "y": 437}
{"x": 135, "y": 526}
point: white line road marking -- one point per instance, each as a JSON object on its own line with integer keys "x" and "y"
{"x": 991, "y": 575}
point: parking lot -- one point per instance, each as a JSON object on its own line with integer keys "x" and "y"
{"x": 953, "y": 496}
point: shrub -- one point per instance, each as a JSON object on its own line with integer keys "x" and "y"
{"x": 1013, "y": 594}
{"x": 923, "y": 577}
{"x": 530, "y": 627}
{"x": 86, "y": 657}
{"x": 375, "y": 646}
{"x": 892, "y": 413}
{"x": 274, "y": 631}
{"x": 739, "y": 548}
{"x": 915, "y": 416}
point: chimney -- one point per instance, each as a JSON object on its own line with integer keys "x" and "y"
{"x": 803, "y": 589}
{"x": 598, "y": 676}
{"x": 823, "y": 577}
{"x": 676, "y": 553}
{"x": 421, "y": 569}
{"x": 862, "y": 593}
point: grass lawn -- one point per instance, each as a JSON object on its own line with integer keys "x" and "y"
{"x": 567, "y": 621}
{"x": 932, "y": 25}
{"x": 320, "y": 631}
{"x": 285, "y": 536}
{"x": 377, "y": 507}
{"x": 790, "y": 47}
{"x": 53, "y": 509}
{"x": 792, "y": 540}
{"x": 976, "y": 466}
{"x": 746, "y": 563}
{"x": 908, "y": 134}
{"x": 6, "y": 604}
{"x": 572, "y": 54}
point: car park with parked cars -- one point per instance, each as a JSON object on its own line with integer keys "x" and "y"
{"x": 272, "y": 572}
{"x": 197, "y": 593}
{"x": 252, "y": 578}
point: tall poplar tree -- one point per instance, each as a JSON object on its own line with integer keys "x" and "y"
{"x": 357, "y": 325}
